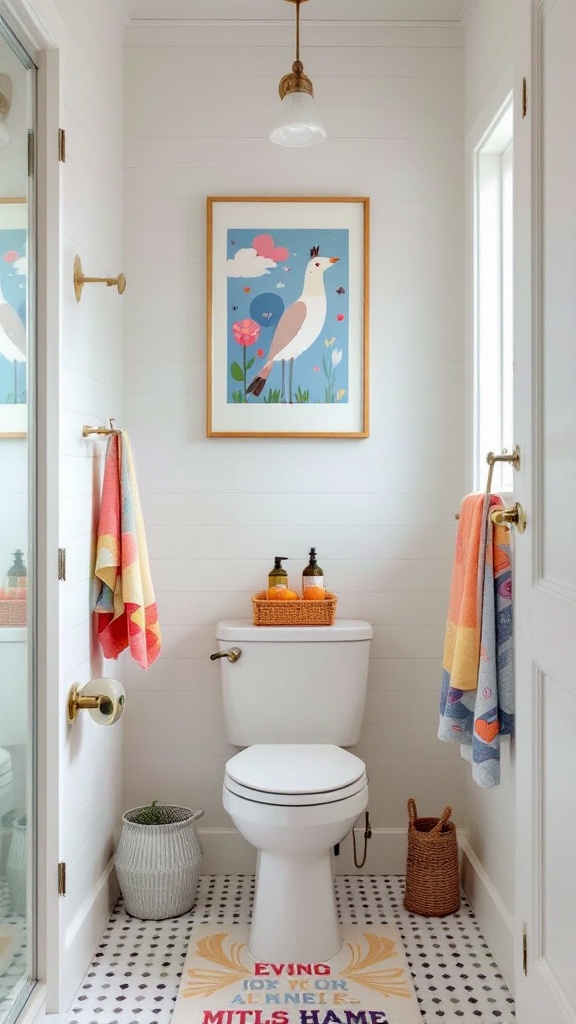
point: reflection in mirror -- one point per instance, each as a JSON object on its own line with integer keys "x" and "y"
{"x": 17, "y": 94}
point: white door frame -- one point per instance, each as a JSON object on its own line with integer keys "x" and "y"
{"x": 31, "y": 29}
{"x": 538, "y": 992}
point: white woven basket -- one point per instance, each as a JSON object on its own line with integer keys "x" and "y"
{"x": 16, "y": 867}
{"x": 158, "y": 866}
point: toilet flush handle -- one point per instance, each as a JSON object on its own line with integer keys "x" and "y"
{"x": 233, "y": 654}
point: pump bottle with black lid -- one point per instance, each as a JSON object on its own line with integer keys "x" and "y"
{"x": 313, "y": 575}
{"x": 278, "y": 577}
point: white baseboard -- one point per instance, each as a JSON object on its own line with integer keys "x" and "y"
{"x": 226, "y": 852}
{"x": 494, "y": 919}
{"x": 33, "y": 1011}
{"x": 84, "y": 932}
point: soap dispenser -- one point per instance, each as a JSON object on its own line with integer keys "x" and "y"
{"x": 313, "y": 576}
{"x": 16, "y": 575}
{"x": 278, "y": 577}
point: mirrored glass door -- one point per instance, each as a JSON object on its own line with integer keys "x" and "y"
{"x": 17, "y": 530}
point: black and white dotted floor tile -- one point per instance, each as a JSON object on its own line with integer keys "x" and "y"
{"x": 136, "y": 970}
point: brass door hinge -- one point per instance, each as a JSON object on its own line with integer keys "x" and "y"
{"x": 61, "y": 563}
{"x": 30, "y": 153}
{"x": 524, "y": 950}
{"x": 62, "y": 878}
{"x": 524, "y": 98}
{"x": 62, "y": 145}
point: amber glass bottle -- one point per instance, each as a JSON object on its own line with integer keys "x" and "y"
{"x": 278, "y": 577}
{"x": 313, "y": 575}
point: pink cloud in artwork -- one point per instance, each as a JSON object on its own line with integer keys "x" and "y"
{"x": 264, "y": 245}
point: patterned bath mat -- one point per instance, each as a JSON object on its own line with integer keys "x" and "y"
{"x": 367, "y": 983}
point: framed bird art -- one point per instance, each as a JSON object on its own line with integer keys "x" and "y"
{"x": 13, "y": 303}
{"x": 287, "y": 304}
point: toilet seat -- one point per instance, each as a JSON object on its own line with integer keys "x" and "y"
{"x": 295, "y": 774}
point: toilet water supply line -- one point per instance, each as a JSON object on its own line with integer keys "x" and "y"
{"x": 367, "y": 836}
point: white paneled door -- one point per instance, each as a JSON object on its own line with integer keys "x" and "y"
{"x": 545, "y": 410}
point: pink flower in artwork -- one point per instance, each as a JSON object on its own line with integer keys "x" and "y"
{"x": 246, "y": 332}
{"x": 316, "y": 369}
{"x": 260, "y": 353}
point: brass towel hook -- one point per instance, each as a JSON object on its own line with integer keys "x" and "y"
{"x": 506, "y": 456}
{"x": 80, "y": 280}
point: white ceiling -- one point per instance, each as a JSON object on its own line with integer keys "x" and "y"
{"x": 276, "y": 10}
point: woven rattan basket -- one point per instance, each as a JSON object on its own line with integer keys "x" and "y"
{"x": 432, "y": 882}
{"x": 293, "y": 613}
{"x": 158, "y": 866}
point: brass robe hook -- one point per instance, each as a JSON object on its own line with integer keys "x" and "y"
{"x": 80, "y": 280}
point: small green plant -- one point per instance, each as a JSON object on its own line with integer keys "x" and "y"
{"x": 273, "y": 395}
{"x": 149, "y": 815}
{"x": 237, "y": 396}
{"x": 302, "y": 396}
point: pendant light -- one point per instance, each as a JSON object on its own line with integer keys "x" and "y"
{"x": 298, "y": 122}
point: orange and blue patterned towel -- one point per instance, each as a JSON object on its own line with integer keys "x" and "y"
{"x": 477, "y": 699}
{"x": 126, "y": 608}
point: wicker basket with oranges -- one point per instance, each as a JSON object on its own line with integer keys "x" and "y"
{"x": 319, "y": 609}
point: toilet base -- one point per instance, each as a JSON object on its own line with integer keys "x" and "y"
{"x": 294, "y": 919}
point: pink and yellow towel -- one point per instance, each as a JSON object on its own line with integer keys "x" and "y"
{"x": 126, "y": 608}
{"x": 477, "y": 699}
{"x": 462, "y": 642}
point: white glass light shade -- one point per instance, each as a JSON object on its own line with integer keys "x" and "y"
{"x": 4, "y": 133}
{"x": 299, "y": 123}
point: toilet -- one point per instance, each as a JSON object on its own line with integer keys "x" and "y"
{"x": 293, "y": 698}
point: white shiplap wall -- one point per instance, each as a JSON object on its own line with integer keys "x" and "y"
{"x": 489, "y": 814}
{"x": 89, "y": 37}
{"x": 199, "y": 100}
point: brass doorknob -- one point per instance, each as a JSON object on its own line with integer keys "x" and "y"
{"x": 514, "y": 516}
{"x": 233, "y": 654}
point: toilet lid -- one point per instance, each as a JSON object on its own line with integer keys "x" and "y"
{"x": 296, "y": 769}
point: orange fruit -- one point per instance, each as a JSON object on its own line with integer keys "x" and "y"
{"x": 281, "y": 594}
{"x": 314, "y": 594}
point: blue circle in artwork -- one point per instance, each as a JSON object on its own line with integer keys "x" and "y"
{"x": 266, "y": 309}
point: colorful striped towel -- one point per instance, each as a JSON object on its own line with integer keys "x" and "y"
{"x": 126, "y": 608}
{"x": 479, "y": 641}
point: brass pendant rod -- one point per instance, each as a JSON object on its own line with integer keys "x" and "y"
{"x": 298, "y": 30}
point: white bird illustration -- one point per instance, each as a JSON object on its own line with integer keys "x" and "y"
{"x": 300, "y": 324}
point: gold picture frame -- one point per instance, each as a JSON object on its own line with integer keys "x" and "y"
{"x": 287, "y": 316}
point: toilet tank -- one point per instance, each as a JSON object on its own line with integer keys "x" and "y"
{"x": 294, "y": 684}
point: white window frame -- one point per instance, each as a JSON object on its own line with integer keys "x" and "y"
{"x": 492, "y": 300}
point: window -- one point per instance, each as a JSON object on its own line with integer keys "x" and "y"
{"x": 493, "y": 290}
